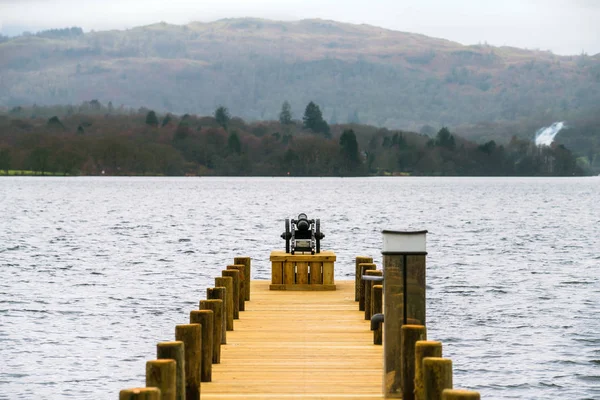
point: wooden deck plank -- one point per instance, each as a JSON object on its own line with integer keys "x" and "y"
{"x": 294, "y": 344}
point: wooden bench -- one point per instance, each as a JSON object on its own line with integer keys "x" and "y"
{"x": 302, "y": 271}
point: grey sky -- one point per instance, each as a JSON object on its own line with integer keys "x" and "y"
{"x": 563, "y": 26}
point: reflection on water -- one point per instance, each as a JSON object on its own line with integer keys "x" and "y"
{"x": 98, "y": 270}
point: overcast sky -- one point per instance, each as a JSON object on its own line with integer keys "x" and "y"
{"x": 562, "y": 26}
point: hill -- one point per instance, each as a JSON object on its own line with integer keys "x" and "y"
{"x": 356, "y": 73}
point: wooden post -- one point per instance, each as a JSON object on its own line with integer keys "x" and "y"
{"x": 206, "y": 319}
{"x": 241, "y": 301}
{"x": 235, "y": 275}
{"x": 437, "y": 376}
{"x": 227, "y": 283}
{"x": 302, "y": 273}
{"x": 361, "y": 286}
{"x": 460, "y": 394}
{"x": 316, "y": 273}
{"x": 217, "y": 307}
{"x": 146, "y": 393}
{"x": 377, "y": 308}
{"x": 328, "y": 273}
{"x": 410, "y": 335}
{"x": 162, "y": 374}
{"x": 277, "y": 272}
{"x": 357, "y": 280}
{"x": 174, "y": 351}
{"x": 218, "y": 293}
{"x": 289, "y": 276}
{"x": 368, "y": 292}
{"x": 246, "y": 262}
{"x": 424, "y": 348}
{"x": 191, "y": 335}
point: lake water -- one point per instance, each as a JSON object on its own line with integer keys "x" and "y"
{"x": 96, "y": 271}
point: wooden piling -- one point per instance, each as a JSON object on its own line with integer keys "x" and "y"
{"x": 246, "y": 262}
{"x": 363, "y": 267}
{"x": 242, "y": 278}
{"x": 437, "y": 376}
{"x": 219, "y": 293}
{"x": 424, "y": 348}
{"x": 377, "y": 308}
{"x": 147, "y": 393}
{"x": 409, "y": 336}
{"x": 217, "y": 308}
{"x": 206, "y": 319}
{"x": 460, "y": 394}
{"x": 162, "y": 374}
{"x": 368, "y": 292}
{"x": 174, "y": 351}
{"x": 191, "y": 335}
{"x": 357, "y": 276}
{"x": 227, "y": 283}
{"x": 235, "y": 275}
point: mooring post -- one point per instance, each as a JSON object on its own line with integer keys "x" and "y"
{"x": 411, "y": 334}
{"x": 174, "y": 351}
{"x": 217, "y": 308}
{"x": 147, "y": 393}
{"x": 162, "y": 374}
{"x": 205, "y": 318}
{"x": 404, "y": 255}
{"x": 424, "y": 348}
{"x": 377, "y": 308}
{"x": 460, "y": 394}
{"x": 227, "y": 283}
{"x": 437, "y": 376}
{"x": 364, "y": 267}
{"x": 191, "y": 336}
{"x": 242, "y": 278}
{"x": 357, "y": 276}
{"x": 246, "y": 261}
{"x": 368, "y": 292}
{"x": 219, "y": 293}
{"x": 235, "y": 275}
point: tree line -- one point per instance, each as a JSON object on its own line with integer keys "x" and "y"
{"x": 98, "y": 140}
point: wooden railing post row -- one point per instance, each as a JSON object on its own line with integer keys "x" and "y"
{"x": 219, "y": 293}
{"x": 162, "y": 374}
{"x": 242, "y": 278}
{"x": 411, "y": 334}
{"x": 368, "y": 292}
{"x": 227, "y": 283}
{"x": 460, "y": 394}
{"x": 146, "y": 393}
{"x": 205, "y": 318}
{"x": 377, "y": 308}
{"x": 174, "y": 350}
{"x": 437, "y": 376}
{"x": 247, "y": 262}
{"x": 357, "y": 276}
{"x": 235, "y": 275}
{"x": 217, "y": 308}
{"x": 363, "y": 267}
{"x": 191, "y": 336}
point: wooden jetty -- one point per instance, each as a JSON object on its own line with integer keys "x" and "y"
{"x": 292, "y": 344}
{"x": 302, "y": 335}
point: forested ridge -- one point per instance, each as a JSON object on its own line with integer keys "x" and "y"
{"x": 97, "y": 139}
{"x": 356, "y": 73}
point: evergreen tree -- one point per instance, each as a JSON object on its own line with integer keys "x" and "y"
{"x": 285, "y": 116}
{"x": 234, "y": 144}
{"x": 151, "y": 118}
{"x": 222, "y": 116}
{"x": 349, "y": 150}
{"x": 313, "y": 120}
{"x": 445, "y": 139}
